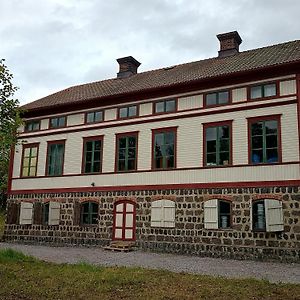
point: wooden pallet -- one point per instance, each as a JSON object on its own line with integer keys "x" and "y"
{"x": 121, "y": 246}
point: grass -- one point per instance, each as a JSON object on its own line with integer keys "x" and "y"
{"x": 24, "y": 277}
{"x": 2, "y": 223}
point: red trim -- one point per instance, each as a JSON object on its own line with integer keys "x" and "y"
{"x": 298, "y": 107}
{"x": 164, "y": 101}
{"x": 261, "y": 84}
{"x": 10, "y": 168}
{"x": 33, "y": 145}
{"x": 126, "y": 134}
{"x": 124, "y": 213}
{"x": 260, "y": 119}
{"x": 217, "y": 92}
{"x": 63, "y": 142}
{"x": 92, "y": 111}
{"x": 165, "y": 118}
{"x": 91, "y": 138}
{"x": 58, "y": 117}
{"x": 215, "y": 124}
{"x": 245, "y": 184}
{"x": 164, "y": 130}
{"x": 127, "y": 107}
{"x": 32, "y": 121}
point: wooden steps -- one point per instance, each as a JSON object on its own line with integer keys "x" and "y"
{"x": 121, "y": 246}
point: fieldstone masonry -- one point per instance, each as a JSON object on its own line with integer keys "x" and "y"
{"x": 188, "y": 236}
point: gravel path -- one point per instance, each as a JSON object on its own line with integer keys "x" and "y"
{"x": 272, "y": 271}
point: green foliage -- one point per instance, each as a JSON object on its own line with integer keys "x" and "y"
{"x": 10, "y": 120}
{"x": 27, "y": 278}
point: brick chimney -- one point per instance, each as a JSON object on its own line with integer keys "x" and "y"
{"x": 128, "y": 66}
{"x": 229, "y": 43}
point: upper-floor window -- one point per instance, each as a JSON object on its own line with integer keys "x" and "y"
{"x": 164, "y": 148}
{"x": 217, "y": 144}
{"x": 57, "y": 122}
{"x": 264, "y": 140}
{"x": 29, "y": 160}
{"x": 89, "y": 213}
{"x": 217, "y": 98}
{"x": 55, "y": 158}
{"x": 217, "y": 214}
{"x": 262, "y": 91}
{"x": 32, "y": 125}
{"x": 165, "y": 106}
{"x": 94, "y": 117}
{"x": 92, "y": 154}
{"x": 128, "y": 112}
{"x": 126, "y": 152}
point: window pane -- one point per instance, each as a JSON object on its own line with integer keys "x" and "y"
{"x": 169, "y": 136}
{"x": 170, "y": 162}
{"x": 131, "y": 153}
{"x": 159, "y": 162}
{"x": 97, "y": 145}
{"x": 159, "y": 138}
{"x": 61, "y": 122}
{"x": 53, "y": 123}
{"x": 123, "y": 112}
{"x": 211, "y": 159}
{"x": 223, "y": 131}
{"x": 272, "y": 155}
{"x": 131, "y": 141}
{"x": 34, "y": 151}
{"x": 98, "y": 116}
{"x": 270, "y": 90}
{"x": 159, "y": 107}
{"x": 211, "y": 146}
{"x": 131, "y": 164}
{"x": 257, "y": 142}
{"x": 256, "y": 92}
{"x": 223, "y": 97}
{"x": 132, "y": 111}
{"x": 259, "y": 221}
{"x": 224, "y": 158}
{"x": 121, "y": 165}
{"x": 25, "y": 171}
{"x": 224, "y": 145}
{"x": 88, "y": 167}
{"x": 26, "y": 161}
{"x": 257, "y": 129}
{"x": 89, "y": 146}
{"x": 96, "y": 156}
{"x": 90, "y": 117}
{"x": 271, "y": 126}
{"x": 170, "y": 105}
{"x": 211, "y": 99}
{"x": 32, "y": 171}
{"x": 271, "y": 141}
{"x": 211, "y": 133}
{"x": 257, "y": 156}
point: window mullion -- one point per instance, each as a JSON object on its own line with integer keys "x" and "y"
{"x": 217, "y": 148}
{"x": 29, "y": 161}
{"x": 126, "y": 153}
{"x": 264, "y": 143}
{"x": 92, "y": 158}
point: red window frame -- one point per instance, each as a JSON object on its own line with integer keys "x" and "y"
{"x": 165, "y": 112}
{"x": 217, "y": 124}
{"x": 277, "y": 84}
{"x": 49, "y": 143}
{"x": 127, "y": 106}
{"x": 58, "y": 117}
{"x": 32, "y": 145}
{"x": 87, "y": 139}
{"x": 217, "y": 91}
{"x": 164, "y": 130}
{"x": 30, "y": 121}
{"x": 261, "y": 119}
{"x": 93, "y": 111}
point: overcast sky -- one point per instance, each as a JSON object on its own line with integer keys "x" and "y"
{"x": 50, "y": 45}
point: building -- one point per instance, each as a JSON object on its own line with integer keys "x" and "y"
{"x": 199, "y": 158}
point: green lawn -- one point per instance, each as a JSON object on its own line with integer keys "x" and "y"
{"x": 24, "y": 277}
{"x": 2, "y": 223}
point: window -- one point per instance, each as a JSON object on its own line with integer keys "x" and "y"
{"x": 164, "y": 145}
{"x": 26, "y": 213}
{"x": 55, "y": 158}
{"x": 32, "y": 125}
{"x": 29, "y": 160}
{"x": 92, "y": 155}
{"x": 94, "y": 116}
{"x": 126, "y": 154}
{"x": 163, "y": 213}
{"x": 165, "y": 106}
{"x": 217, "y": 214}
{"x": 57, "y": 122}
{"x": 217, "y": 141}
{"x": 264, "y": 140}
{"x": 217, "y": 98}
{"x": 89, "y": 213}
{"x": 128, "y": 112}
{"x": 267, "y": 215}
{"x": 262, "y": 91}
{"x": 51, "y": 213}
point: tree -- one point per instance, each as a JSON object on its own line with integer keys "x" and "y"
{"x": 10, "y": 120}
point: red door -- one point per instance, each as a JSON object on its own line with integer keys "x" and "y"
{"x": 124, "y": 221}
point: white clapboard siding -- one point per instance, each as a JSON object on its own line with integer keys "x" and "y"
{"x": 75, "y": 119}
{"x": 44, "y": 124}
{"x": 26, "y": 213}
{"x": 110, "y": 114}
{"x": 163, "y": 213}
{"x": 191, "y": 102}
{"x": 145, "y": 109}
{"x": 239, "y": 95}
{"x": 211, "y": 214}
{"x": 288, "y": 87}
{"x": 274, "y": 215}
{"x": 54, "y": 213}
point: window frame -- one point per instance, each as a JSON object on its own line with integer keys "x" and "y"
{"x": 30, "y": 122}
{"x": 89, "y": 212}
{"x": 262, "y": 85}
{"x": 49, "y": 143}
{"x": 205, "y": 105}
{"x": 127, "y": 108}
{"x": 93, "y": 111}
{"x": 89, "y": 139}
{"x": 25, "y": 146}
{"x": 122, "y": 135}
{"x": 163, "y": 130}
{"x": 165, "y": 101}
{"x": 279, "y": 145}
{"x": 218, "y": 124}
{"x": 59, "y": 117}
{"x": 254, "y": 229}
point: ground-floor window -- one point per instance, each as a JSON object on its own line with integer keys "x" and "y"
{"x": 89, "y": 213}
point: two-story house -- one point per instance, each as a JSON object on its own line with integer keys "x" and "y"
{"x": 198, "y": 158}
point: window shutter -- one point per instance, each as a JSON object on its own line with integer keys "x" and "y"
{"x": 168, "y": 213}
{"x": 156, "y": 213}
{"x": 12, "y": 213}
{"x": 211, "y": 214}
{"x": 26, "y": 213}
{"x": 251, "y": 216}
{"x": 38, "y": 213}
{"x": 76, "y": 213}
{"x": 54, "y": 213}
{"x": 274, "y": 215}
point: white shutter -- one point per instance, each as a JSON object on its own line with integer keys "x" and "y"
{"x": 274, "y": 215}
{"x": 168, "y": 213}
{"x": 156, "y": 213}
{"x": 211, "y": 214}
{"x": 26, "y": 213}
{"x": 54, "y": 213}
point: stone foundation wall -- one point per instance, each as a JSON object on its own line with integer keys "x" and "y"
{"x": 189, "y": 235}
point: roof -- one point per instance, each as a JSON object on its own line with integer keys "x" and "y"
{"x": 275, "y": 55}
